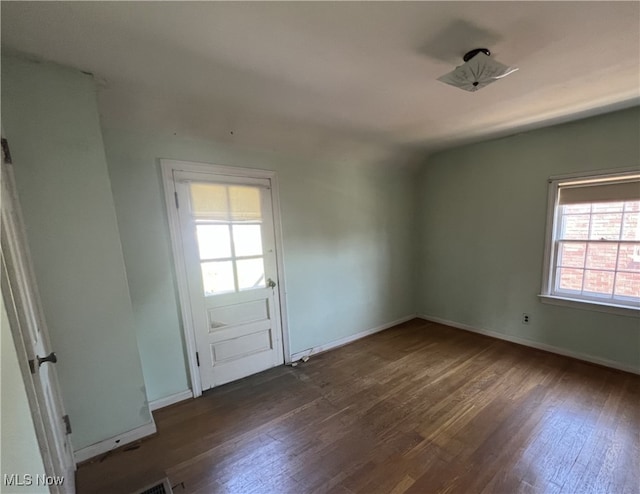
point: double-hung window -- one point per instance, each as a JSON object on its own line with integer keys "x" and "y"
{"x": 593, "y": 242}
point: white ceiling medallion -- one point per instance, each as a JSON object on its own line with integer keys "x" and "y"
{"x": 477, "y": 71}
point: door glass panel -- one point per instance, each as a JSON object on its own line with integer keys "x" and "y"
{"x": 245, "y": 203}
{"x": 217, "y": 277}
{"x": 213, "y": 241}
{"x": 228, "y": 222}
{"x": 209, "y": 201}
{"x": 247, "y": 240}
{"x": 250, "y": 273}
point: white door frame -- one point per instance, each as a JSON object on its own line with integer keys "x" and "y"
{"x": 16, "y": 243}
{"x": 168, "y": 167}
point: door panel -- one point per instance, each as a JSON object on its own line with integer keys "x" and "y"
{"x": 241, "y": 346}
{"x": 228, "y": 243}
{"x": 238, "y": 313}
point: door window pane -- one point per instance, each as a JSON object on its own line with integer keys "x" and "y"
{"x": 209, "y": 201}
{"x": 213, "y": 241}
{"x": 228, "y": 230}
{"x": 247, "y": 240}
{"x": 250, "y": 273}
{"x": 245, "y": 203}
{"x": 217, "y": 277}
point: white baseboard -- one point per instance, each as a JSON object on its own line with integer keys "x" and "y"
{"x": 170, "y": 400}
{"x": 534, "y": 344}
{"x": 114, "y": 442}
{"x": 348, "y": 339}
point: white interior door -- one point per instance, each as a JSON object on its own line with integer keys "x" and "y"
{"x": 228, "y": 239}
{"x": 30, "y": 335}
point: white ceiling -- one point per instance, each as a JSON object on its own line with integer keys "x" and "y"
{"x": 364, "y": 69}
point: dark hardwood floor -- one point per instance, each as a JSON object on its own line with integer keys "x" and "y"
{"x": 419, "y": 408}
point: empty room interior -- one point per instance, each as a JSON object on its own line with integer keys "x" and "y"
{"x": 320, "y": 247}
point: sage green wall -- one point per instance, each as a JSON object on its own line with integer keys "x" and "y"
{"x": 19, "y": 451}
{"x": 49, "y": 114}
{"x": 483, "y": 213}
{"x": 348, "y": 244}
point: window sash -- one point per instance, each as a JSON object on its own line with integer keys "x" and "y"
{"x": 590, "y": 295}
{"x": 619, "y": 304}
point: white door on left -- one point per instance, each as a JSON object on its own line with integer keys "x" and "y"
{"x": 30, "y": 335}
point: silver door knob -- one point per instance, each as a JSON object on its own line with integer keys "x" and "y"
{"x": 271, "y": 283}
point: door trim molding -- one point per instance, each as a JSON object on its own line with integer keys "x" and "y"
{"x": 167, "y": 167}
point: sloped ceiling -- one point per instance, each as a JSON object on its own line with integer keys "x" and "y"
{"x": 362, "y": 70}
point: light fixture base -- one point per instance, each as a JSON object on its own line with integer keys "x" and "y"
{"x": 470, "y": 54}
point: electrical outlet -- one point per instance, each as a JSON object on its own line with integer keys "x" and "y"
{"x": 526, "y": 318}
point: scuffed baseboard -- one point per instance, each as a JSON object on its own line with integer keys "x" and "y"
{"x": 534, "y": 344}
{"x": 348, "y": 339}
{"x": 114, "y": 442}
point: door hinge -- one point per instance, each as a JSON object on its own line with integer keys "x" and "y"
{"x": 198, "y": 359}
{"x": 32, "y": 366}
{"x": 5, "y": 151}
{"x": 67, "y": 424}
{"x": 175, "y": 194}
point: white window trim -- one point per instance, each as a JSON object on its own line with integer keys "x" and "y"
{"x": 546, "y": 293}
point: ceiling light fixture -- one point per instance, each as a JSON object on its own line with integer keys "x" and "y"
{"x": 477, "y": 71}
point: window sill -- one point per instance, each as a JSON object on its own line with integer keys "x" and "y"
{"x": 589, "y": 305}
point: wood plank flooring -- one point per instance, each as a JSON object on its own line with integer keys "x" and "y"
{"x": 419, "y": 408}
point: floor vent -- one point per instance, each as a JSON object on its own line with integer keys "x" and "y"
{"x": 161, "y": 487}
